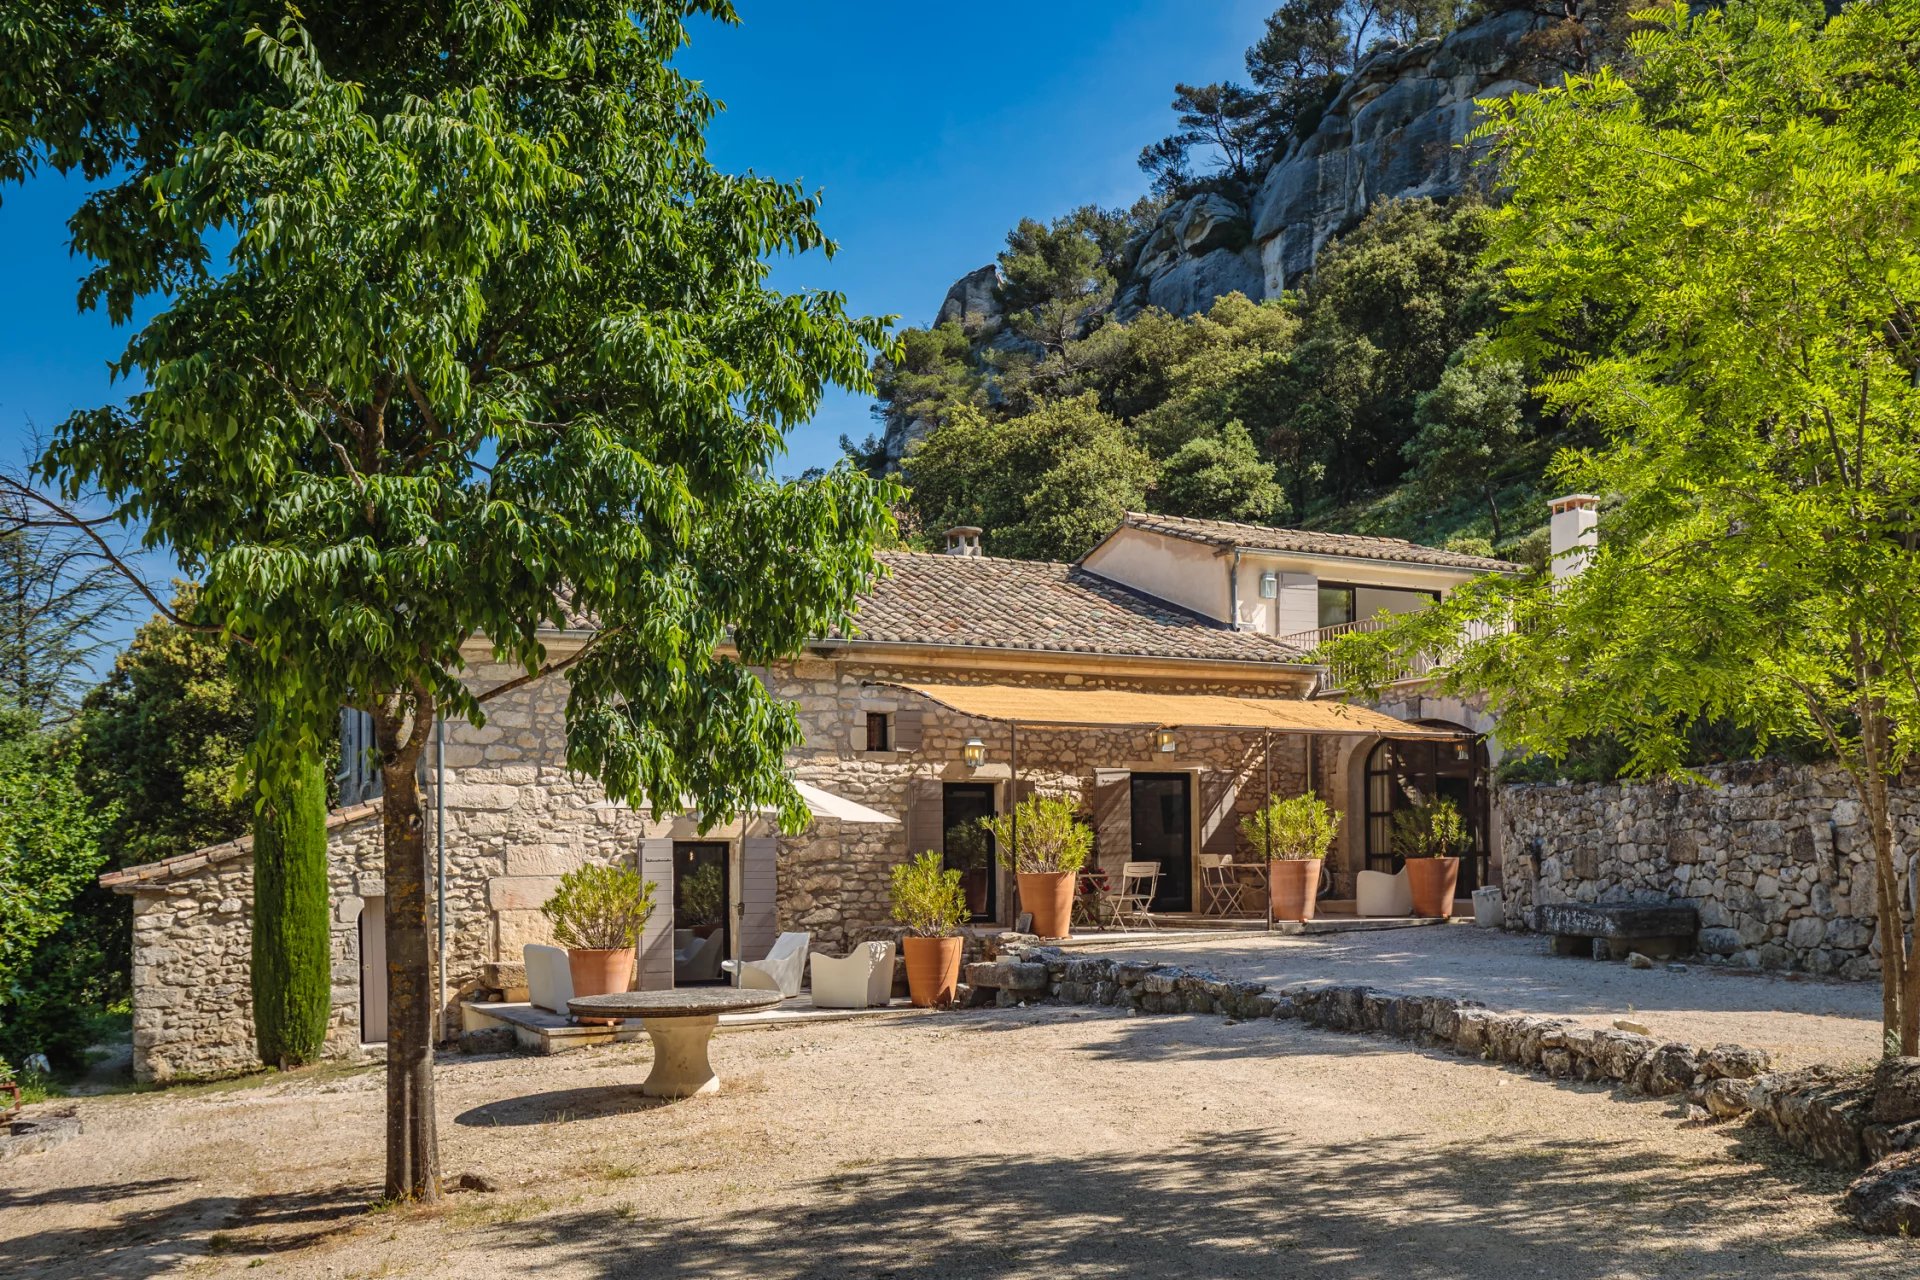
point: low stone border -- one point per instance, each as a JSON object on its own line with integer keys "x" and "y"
{"x": 1844, "y": 1120}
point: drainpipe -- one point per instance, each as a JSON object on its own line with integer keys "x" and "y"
{"x": 1233, "y": 591}
{"x": 440, "y": 857}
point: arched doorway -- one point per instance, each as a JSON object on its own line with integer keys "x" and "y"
{"x": 1400, "y": 775}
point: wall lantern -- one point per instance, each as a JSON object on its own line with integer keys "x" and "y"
{"x": 1270, "y": 585}
{"x": 1163, "y": 740}
{"x": 974, "y": 753}
{"x": 1460, "y": 749}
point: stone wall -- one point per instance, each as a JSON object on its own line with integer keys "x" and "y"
{"x": 1775, "y": 856}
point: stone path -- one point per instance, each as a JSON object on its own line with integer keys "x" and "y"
{"x": 1799, "y": 1020}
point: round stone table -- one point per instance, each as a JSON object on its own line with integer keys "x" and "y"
{"x": 680, "y": 1023}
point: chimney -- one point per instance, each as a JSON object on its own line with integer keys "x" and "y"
{"x": 963, "y": 540}
{"x": 1572, "y": 533}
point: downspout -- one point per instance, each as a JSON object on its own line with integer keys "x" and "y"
{"x": 1233, "y": 590}
{"x": 440, "y": 858}
{"x": 1013, "y": 800}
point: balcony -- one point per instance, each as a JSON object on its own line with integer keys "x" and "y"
{"x": 1416, "y": 667}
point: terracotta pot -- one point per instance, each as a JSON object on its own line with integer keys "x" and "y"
{"x": 1049, "y": 895}
{"x": 1432, "y": 882}
{"x": 1293, "y": 887}
{"x": 974, "y": 884}
{"x": 933, "y": 970}
{"x": 600, "y": 973}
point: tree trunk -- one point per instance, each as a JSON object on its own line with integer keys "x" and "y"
{"x": 1898, "y": 1013}
{"x": 292, "y": 942}
{"x": 413, "y": 1148}
{"x": 1493, "y": 509}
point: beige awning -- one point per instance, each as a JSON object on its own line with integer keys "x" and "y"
{"x": 1120, "y": 708}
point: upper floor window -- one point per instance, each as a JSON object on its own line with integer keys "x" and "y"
{"x": 879, "y": 731}
{"x": 1336, "y": 605}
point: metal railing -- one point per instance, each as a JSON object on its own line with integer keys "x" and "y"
{"x": 1414, "y": 667}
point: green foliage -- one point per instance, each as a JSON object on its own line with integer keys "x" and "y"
{"x": 1301, "y": 826}
{"x": 1469, "y": 425}
{"x": 57, "y": 602}
{"x": 927, "y": 897}
{"x": 1049, "y": 484}
{"x": 1221, "y": 477}
{"x": 970, "y": 846}
{"x": 1228, "y": 120}
{"x": 1041, "y": 834}
{"x": 292, "y": 918}
{"x": 49, "y": 855}
{"x": 599, "y": 907}
{"x": 702, "y": 898}
{"x": 1433, "y": 829}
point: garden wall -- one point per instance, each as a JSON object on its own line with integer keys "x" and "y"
{"x": 1776, "y": 857}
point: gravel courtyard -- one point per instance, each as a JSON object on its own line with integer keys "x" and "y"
{"x": 1042, "y": 1142}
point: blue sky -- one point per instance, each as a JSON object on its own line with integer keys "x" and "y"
{"x": 930, "y": 129}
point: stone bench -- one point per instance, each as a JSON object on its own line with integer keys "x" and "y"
{"x": 1612, "y": 930}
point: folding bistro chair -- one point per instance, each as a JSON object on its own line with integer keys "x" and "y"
{"x": 1090, "y": 896}
{"x": 1219, "y": 884}
{"x": 1132, "y": 902}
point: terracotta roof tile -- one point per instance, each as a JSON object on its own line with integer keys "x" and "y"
{"x": 1227, "y": 533}
{"x": 988, "y": 603}
{"x": 128, "y": 879}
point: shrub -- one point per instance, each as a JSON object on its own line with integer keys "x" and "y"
{"x": 1299, "y": 826}
{"x": 599, "y": 908}
{"x": 1042, "y": 834}
{"x": 927, "y": 897}
{"x": 1431, "y": 830}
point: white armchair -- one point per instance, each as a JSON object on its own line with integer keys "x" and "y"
{"x": 549, "y": 979}
{"x": 1375, "y": 893}
{"x": 781, "y": 971}
{"x": 860, "y": 980}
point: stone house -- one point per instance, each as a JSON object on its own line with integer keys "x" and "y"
{"x": 1160, "y": 681}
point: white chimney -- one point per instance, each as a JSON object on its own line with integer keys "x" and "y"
{"x": 963, "y": 540}
{"x": 1573, "y": 532}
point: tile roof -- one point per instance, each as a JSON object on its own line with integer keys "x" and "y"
{"x": 984, "y": 602}
{"x": 1259, "y": 537}
{"x": 127, "y": 879}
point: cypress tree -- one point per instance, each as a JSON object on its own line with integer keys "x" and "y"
{"x": 292, "y": 956}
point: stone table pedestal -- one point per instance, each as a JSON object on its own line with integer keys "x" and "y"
{"x": 680, "y": 1023}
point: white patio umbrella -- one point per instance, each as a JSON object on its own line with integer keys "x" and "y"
{"x": 820, "y": 802}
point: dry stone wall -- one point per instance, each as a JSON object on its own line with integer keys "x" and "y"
{"x": 1775, "y": 856}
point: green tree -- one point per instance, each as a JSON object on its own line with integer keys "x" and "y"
{"x": 1469, "y": 426}
{"x": 1221, "y": 477}
{"x": 292, "y": 910}
{"x": 493, "y": 350}
{"x": 58, "y": 604}
{"x": 1223, "y": 119}
{"x": 1045, "y": 486}
{"x": 1760, "y": 564}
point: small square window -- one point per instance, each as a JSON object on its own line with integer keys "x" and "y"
{"x": 879, "y": 731}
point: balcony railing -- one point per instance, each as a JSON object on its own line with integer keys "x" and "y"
{"x": 1414, "y": 667}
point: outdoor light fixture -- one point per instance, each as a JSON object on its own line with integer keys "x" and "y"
{"x": 1270, "y": 585}
{"x": 1163, "y": 739}
{"x": 974, "y": 753}
{"x": 1460, "y": 749}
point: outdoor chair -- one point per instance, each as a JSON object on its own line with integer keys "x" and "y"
{"x": 700, "y": 961}
{"x": 549, "y": 978}
{"x": 1132, "y": 902}
{"x": 860, "y": 980}
{"x": 1090, "y": 907}
{"x": 1375, "y": 893}
{"x": 1219, "y": 884}
{"x": 781, "y": 971}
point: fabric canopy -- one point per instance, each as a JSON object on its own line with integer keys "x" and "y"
{"x": 1117, "y": 708}
{"x": 821, "y": 803}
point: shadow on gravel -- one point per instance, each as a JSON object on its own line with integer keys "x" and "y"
{"x": 561, "y": 1106}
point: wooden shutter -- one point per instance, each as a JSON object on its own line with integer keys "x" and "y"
{"x": 907, "y": 728}
{"x": 656, "y": 940}
{"x": 926, "y": 817}
{"x": 758, "y": 887}
{"x": 1112, "y": 818}
{"x": 1218, "y": 822}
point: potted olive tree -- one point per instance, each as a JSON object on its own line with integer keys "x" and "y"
{"x": 1431, "y": 837}
{"x": 927, "y": 899}
{"x": 970, "y": 849}
{"x": 1292, "y": 836}
{"x": 1046, "y": 844}
{"x": 597, "y": 913}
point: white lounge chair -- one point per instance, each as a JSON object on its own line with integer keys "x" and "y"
{"x": 1375, "y": 893}
{"x": 549, "y": 979}
{"x": 860, "y": 980}
{"x": 781, "y": 971}
{"x": 700, "y": 961}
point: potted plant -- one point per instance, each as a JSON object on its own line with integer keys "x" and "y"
{"x": 1430, "y": 837}
{"x": 928, "y": 900}
{"x": 1292, "y": 836}
{"x": 597, "y": 913}
{"x": 1046, "y": 844}
{"x": 970, "y": 849}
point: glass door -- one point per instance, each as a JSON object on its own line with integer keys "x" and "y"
{"x": 701, "y": 931}
{"x": 967, "y": 847}
{"x": 1163, "y": 833}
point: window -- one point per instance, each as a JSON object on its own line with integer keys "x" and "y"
{"x": 1336, "y": 605}
{"x": 879, "y": 731}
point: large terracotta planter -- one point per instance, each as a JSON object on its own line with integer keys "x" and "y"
{"x": 933, "y": 970}
{"x": 600, "y": 973}
{"x": 1293, "y": 887}
{"x": 974, "y": 882}
{"x": 1049, "y": 896}
{"x": 1432, "y": 881}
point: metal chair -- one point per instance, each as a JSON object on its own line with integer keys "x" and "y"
{"x": 1132, "y": 902}
{"x": 1219, "y": 883}
{"x": 1090, "y": 899}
